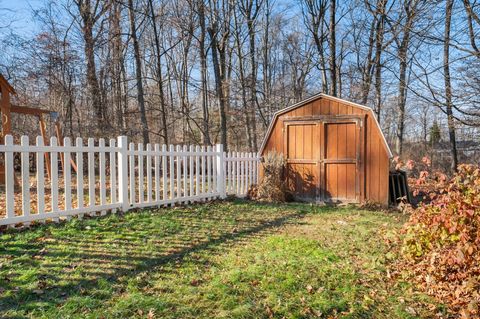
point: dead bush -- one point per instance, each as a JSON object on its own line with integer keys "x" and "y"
{"x": 271, "y": 187}
{"x": 252, "y": 192}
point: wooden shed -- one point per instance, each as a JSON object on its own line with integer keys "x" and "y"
{"x": 335, "y": 151}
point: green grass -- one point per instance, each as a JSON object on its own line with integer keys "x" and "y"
{"x": 224, "y": 260}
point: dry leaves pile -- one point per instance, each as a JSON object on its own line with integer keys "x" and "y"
{"x": 442, "y": 243}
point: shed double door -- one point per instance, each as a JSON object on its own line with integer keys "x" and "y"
{"x": 324, "y": 158}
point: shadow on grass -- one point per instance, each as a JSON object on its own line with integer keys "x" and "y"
{"x": 61, "y": 262}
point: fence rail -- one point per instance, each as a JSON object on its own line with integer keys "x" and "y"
{"x": 96, "y": 178}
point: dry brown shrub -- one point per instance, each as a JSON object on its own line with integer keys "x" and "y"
{"x": 272, "y": 187}
{"x": 441, "y": 245}
{"x": 252, "y": 192}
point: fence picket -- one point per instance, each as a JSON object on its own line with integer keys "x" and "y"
{"x": 203, "y": 169}
{"x": 254, "y": 166}
{"x": 101, "y": 168}
{"x": 79, "y": 158}
{"x": 190, "y": 171}
{"x": 209, "y": 167}
{"x": 25, "y": 174}
{"x": 67, "y": 176}
{"x": 228, "y": 172}
{"x": 54, "y": 176}
{"x": 237, "y": 174}
{"x": 156, "y": 169}
{"x": 171, "y": 173}
{"x": 40, "y": 178}
{"x": 244, "y": 169}
{"x": 91, "y": 173}
{"x": 179, "y": 171}
{"x": 123, "y": 173}
{"x": 132, "y": 173}
{"x": 220, "y": 171}
{"x": 185, "y": 172}
{"x": 234, "y": 175}
{"x": 149, "y": 173}
{"x": 113, "y": 175}
{"x": 197, "y": 171}
{"x": 141, "y": 194}
{"x": 214, "y": 172}
{"x": 249, "y": 172}
{"x": 164, "y": 172}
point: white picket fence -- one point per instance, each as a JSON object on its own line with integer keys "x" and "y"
{"x": 120, "y": 176}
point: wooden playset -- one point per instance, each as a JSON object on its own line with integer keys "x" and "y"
{"x": 6, "y": 109}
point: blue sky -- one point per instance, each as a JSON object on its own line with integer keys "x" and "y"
{"x": 21, "y": 13}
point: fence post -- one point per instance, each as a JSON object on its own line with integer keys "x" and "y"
{"x": 123, "y": 173}
{"x": 220, "y": 172}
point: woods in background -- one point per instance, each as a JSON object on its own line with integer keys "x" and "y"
{"x": 215, "y": 71}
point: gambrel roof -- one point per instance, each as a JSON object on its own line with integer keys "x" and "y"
{"x": 329, "y": 97}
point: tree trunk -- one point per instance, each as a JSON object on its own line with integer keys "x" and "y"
{"x": 448, "y": 85}
{"x": 219, "y": 85}
{"x": 402, "y": 85}
{"x": 117, "y": 61}
{"x": 203, "y": 71}
{"x": 380, "y": 31}
{"x": 402, "y": 96}
{"x": 333, "y": 49}
{"x": 253, "y": 83}
{"x": 138, "y": 73}
{"x": 89, "y": 49}
{"x": 367, "y": 70}
{"x": 161, "y": 93}
{"x": 243, "y": 86}
{"x": 316, "y": 16}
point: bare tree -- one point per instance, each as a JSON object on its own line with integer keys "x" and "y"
{"x": 138, "y": 72}
{"x": 117, "y": 67}
{"x": 409, "y": 8}
{"x": 242, "y": 77}
{"x": 250, "y": 10}
{"x": 219, "y": 51}
{"x": 333, "y": 48}
{"x": 159, "y": 76}
{"x": 200, "y": 7}
{"x": 314, "y": 12}
{"x": 91, "y": 14}
{"x": 379, "y": 47}
{"x": 472, "y": 18}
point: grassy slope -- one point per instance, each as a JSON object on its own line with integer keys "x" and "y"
{"x": 232, "y": 259}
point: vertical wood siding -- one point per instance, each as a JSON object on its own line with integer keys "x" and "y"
{"x": 374, "y": 175}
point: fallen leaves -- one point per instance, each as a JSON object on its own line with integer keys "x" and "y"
{"x": 310, "y": 289}
{"x": 441, "y": 243}
{"x": 150, "y": 313}
{"x": 269, "y": 311}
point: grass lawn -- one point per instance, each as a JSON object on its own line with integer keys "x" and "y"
{"x": 233, "y": 259}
